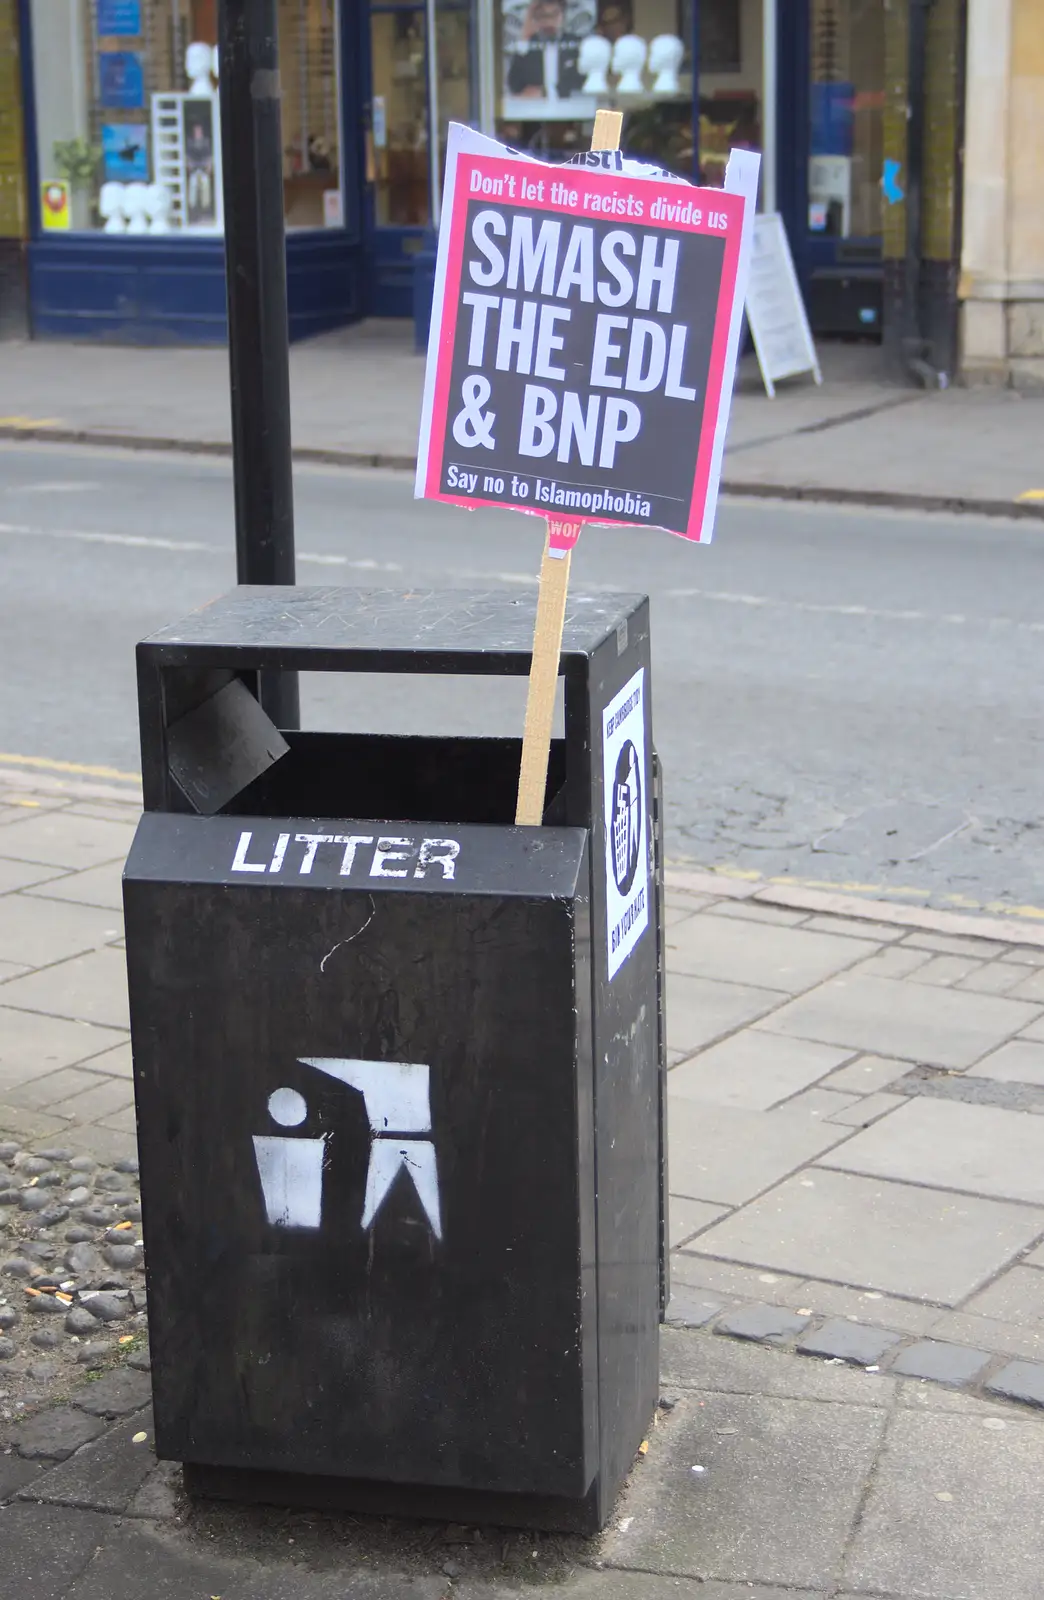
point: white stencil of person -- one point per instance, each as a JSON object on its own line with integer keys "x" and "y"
{"x": 291, "y": 1170}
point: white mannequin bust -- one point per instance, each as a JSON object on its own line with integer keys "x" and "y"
{"x": 157, "y": 208}
{"x": 665, "y": 58}
{"x": 214, "y": 63}
{"x": 135, "y": 199}
{"x": 594, "y": 58}
{"x": 628, "y": 61}
{"x": 199, "y": 61}
{"x": 110, "y": 204}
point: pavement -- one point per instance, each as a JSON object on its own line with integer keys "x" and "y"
{"x": 356, "y": 400}
{"x": 854, "y": 1372}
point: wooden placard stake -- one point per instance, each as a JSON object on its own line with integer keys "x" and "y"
{"x": 562, "y": 534}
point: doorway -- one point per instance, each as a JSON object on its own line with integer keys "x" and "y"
{"x": 423, "y": 75}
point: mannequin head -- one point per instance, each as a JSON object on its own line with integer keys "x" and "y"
{"x": 110, "y": 204}
{"x": 665, "y": 58}
{"x": 135, "y": 199}
{"x": 157, "y": 208}
{"x": 199, "y": 59}
{"x": 628, "y": 61}
{"x": 595, "y": 56}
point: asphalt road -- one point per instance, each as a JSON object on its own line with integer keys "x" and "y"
{"x": 840, "y": 695}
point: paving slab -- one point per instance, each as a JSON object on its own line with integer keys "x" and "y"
{"x": 841, "y": 1340}
{"x": 100, "y": 1099}
{"x": 700, "y": 1010}
{"x": 978, "y": 1149}
{"x": 770, "y": 957}
{"x": 868, "y": 1074}
{"x": 1016, "y": 1296}
{"x": 781, "y": 1484}
{"x": 868, "y": 1110}
{"x": 88, "y": 988}
{"x": 754, "y": 1070}
{"x": 738, "y": 1283}
{"x": 763, "y": 1324}
{"x": 116, "y": 1063}
{"x": 21, "y": 874}
{"x": 97, "y": 886}
{"x": 40, "y": 1093}
{"x": 31, "y": 1044}
{"x": 941, "y": 1027}
{"x": 686, "y": 1217}
{"x": 168, "y": 1564}
{"x": 1031, "y": 988}
{"x": 955, "y": 1509}
{"x": 1018, "y": 1061}
{"x": 707, "y": 1364}
{"x": 688, "y": 1308}
{"x": 63, "y": 839}
{"x": 1021, "y": 1380}
{"x": 726, "y": 1156}
{"x": 943, "y": 1363}
{"x": 45, "y": 1548}
{"x": 865, "y": 1306}
{"x": 870, "y": 1234}
{"x": 988, "y": 1333}
{"x": 611, "y": 1584}
{"x": 105, "y": 1475}
{"x": 36, "y": 933}
{"x": 821, "y": 1102}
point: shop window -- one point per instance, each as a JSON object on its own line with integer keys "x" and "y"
{"x": 128, "y": 120}
{"x": 401, "y": 107}
{"x": 846, "y": 118}
{"x": 562, "y": 59}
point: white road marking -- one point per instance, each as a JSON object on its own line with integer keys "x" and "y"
{"x": 69, "y": 486}
{"x": 529, "y": 580}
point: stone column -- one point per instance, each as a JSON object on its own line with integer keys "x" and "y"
{"x": 1002, "y": 255}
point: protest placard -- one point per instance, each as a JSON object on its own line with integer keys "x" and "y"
{"x": 581, "y": 354}
{"x": 584, "y": 331}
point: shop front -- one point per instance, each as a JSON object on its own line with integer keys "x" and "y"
{"x": 123, "y": 139}
{"x": 124, "y": 157}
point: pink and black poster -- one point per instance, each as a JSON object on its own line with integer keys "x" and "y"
{"x": 584, "y": 335}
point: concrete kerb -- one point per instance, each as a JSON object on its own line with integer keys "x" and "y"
{"x": 971, "y": 925}
{"x": 49, "y": 780}
{"x": 837, "y": 1341}
{"x": 821, "y": 494}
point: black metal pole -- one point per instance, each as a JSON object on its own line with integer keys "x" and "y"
{"x": 258, "y": 341}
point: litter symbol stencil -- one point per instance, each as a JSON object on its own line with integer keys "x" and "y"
{"x": 626, "y": 827}
{"x": 397, "y": 1099}
{"x": 627, "y": 817}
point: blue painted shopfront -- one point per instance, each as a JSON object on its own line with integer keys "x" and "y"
{"x": 146, "y": 290}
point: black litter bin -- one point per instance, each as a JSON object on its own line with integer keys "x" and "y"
{"x": 398, "y": 1068}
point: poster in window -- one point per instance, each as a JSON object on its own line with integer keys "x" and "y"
{"x": 201, "y": 197}
{"x": 720, "y": 43}
{"x": 119, "y": 19}
{"x": 125, "y": 151}
{"x": 121, "y": 80}
{"x": 543, "y": 78}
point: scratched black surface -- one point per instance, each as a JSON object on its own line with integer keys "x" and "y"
{"x": 394, "y": 630}
{"x": 383, "y": 1353}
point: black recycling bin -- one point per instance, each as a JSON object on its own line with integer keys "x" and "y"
{"x": 398, "y": 1068}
